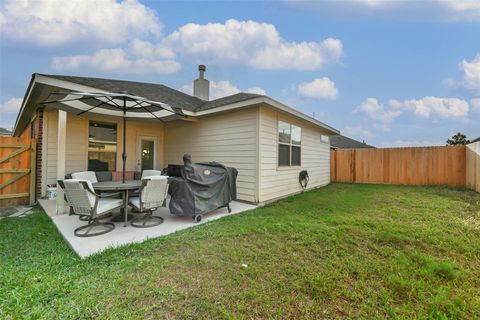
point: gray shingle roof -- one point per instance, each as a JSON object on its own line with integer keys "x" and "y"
{"x": 226, "y": 100}
{"x": 4, "y": 131}
{"x": 475, "y": 140}
{"x": 341, "y": 142}
{"x": 156, "y": 92}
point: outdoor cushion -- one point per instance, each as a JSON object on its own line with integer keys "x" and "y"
{"x": 117, "y": 176}
{"x": 153, "y": 194}
{"x": 85, "y": 175}
{"x": 105, "y": 205}
{"x": 103, "y": 176}
{"x": 151, "y": 173}
{"x": 135, "y": 201}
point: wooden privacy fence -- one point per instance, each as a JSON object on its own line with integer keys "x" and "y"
{"x": 17, "y": 171}
{"x": 419, "y": 165}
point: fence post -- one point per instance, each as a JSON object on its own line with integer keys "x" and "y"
{"x": 354, "y": 165}
{"x": 333, "y": 170}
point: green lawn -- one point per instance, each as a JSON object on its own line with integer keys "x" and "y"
{"x": 361, "y": 251}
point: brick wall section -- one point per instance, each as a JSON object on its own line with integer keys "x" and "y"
{"x": 37, "y": 132}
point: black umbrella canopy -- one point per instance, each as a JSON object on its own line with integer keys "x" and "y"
{"x": 125, "y": 105}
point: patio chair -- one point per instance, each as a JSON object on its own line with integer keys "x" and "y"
{"x": 152, "y": 195}
{"x": 84, "y": 201}
{"x": 151, "y": 173}
{"x": 85, "y": 175}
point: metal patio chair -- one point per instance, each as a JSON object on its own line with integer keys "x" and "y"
{"x": 151, "y": 173}
{"x": 84, "y": 201}
{"x": 152, "y": 195}
{"x": 85, "y": 175}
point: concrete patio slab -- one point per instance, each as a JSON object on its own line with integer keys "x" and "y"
{"x": 121, "y": 235}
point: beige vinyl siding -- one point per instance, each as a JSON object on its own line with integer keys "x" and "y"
{"x": 245, "y": 139}
{"x": 76, "y": 144}
{"x": 76, "y": 156}
{"x": 229, "y": 138}
{"x": 276, "y": 182}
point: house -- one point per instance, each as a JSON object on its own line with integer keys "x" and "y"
{"x": 475, "y": 140}
{"x": 267, "y": 141}
{"x": 5, "y": 132}
{"x": 342, "y": 142}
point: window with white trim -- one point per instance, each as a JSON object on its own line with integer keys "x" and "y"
{"x": 289, "y": 144}
{"x": 102, "y": 146}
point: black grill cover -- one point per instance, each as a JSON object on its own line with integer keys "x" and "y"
{"x": 202, "y": 188}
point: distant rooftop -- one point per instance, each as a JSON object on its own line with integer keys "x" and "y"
{"x": 5, "y": 132}
{"x": 341, "y": 142}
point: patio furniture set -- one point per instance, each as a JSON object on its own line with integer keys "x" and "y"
{"x": 194, "y": 189}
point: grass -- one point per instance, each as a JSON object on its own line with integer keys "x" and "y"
{"x": 343, "y": 251}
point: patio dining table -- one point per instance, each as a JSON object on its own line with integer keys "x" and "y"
{"x": 119, "y": 186}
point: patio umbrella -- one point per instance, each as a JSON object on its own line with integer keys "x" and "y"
{"x": 123, "y": 105}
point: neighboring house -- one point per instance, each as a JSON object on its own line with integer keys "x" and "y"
{"x": 241, "y": 131}
{"x": 5, "y": 132}
{"x": 341, "y": 142}
{"x": 475, "y": 140}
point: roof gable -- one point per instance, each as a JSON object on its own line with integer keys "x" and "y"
{"x": 156, "y": 92}
{"x": 191, "y": 106}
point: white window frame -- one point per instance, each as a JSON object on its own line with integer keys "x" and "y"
{"x": 290, "y": 144}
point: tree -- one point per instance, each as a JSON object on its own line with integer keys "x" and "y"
{"x": 458, "y": 138}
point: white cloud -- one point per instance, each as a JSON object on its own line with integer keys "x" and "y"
{"x": 319, "y": 88}
{"x": 463, "y": 6}
{"x": 120, "y": 61}
{"x": 427, "y": 107}
{"x": 256, "y": 44}
{"x": 471, "y": 70}
{"x": 444, "y": 107}
{"x": 377, "y": 112}
{"x": 11, "y": 106}
{"x": 471, "y": 76}
{"x": 475, "y": 103}
{"x": 222, "y": 89}
{"x": 8, "y": 111}
{"x": 57, "y": 22}
{"x": 425, "y": 10}
{"x": 256, "y": 90}
{"x": 149, "y": 50}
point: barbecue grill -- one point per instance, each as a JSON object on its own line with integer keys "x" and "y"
{"x": 202, "y": 188}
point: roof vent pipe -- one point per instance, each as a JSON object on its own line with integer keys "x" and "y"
{"x": 201, "y": 86}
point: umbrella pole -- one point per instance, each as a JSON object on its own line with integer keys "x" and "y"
{"x": 124, "y": 154}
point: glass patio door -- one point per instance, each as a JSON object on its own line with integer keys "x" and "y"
{"x": 147, "y": 154}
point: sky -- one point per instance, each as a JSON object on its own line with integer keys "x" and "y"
{"x": 392, "y": 73}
